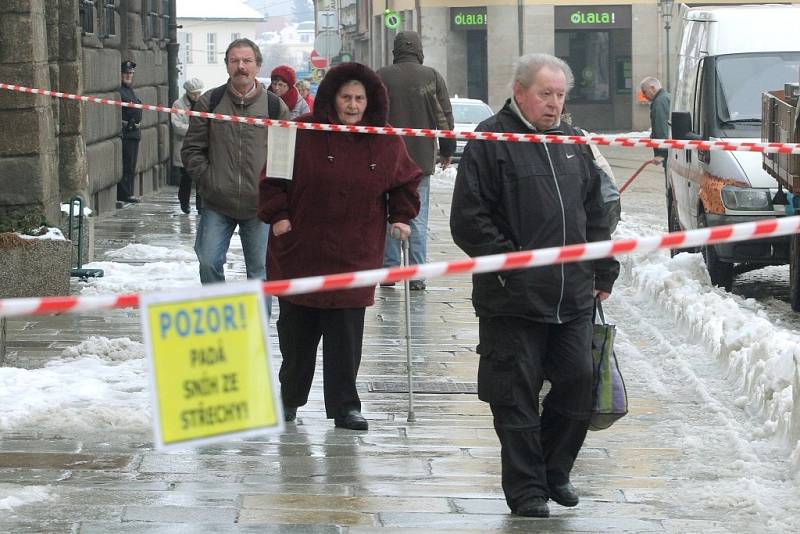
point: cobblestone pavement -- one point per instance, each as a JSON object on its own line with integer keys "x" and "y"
{"x": 439, "y": 473}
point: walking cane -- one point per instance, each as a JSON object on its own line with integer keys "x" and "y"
{"x": 407, "y": 292}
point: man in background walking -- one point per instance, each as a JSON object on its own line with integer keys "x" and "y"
{"x": 659, "y": 115}
{"x": 180, "y": 124}
{"x": 418, "y": 98}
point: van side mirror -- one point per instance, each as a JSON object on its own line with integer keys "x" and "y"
{"x": 682, "y": 126}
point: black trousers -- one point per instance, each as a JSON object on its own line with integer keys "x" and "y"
{"x": 185, "y": 189}
{"x": 299, "y": 331}
{"x": 516, "y": 356}
{"x": 130, "y": 155}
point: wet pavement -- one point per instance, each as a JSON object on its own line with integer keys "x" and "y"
{"x": 439, "y": 473}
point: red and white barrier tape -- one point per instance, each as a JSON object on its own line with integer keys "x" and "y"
{"x": 601, "y": 140}
{"x": 496, "y": 262}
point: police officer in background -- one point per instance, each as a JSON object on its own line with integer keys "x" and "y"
{"x": 131, "y": 117}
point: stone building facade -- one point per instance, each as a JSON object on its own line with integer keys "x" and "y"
{"x": 52, "y": 149}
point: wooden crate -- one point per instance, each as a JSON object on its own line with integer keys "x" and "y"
{"x": 779, "y": 124}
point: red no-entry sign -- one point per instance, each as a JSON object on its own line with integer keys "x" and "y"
{"x": 318, "y": 61}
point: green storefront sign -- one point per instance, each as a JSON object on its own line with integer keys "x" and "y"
{"x": 468, "y": 18}
{"x": 590, "y": 17}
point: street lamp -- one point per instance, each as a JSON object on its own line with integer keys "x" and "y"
{"x": 665, "y": 10}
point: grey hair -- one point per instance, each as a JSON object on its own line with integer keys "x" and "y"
{"x": 650, "y": 80}
{"x": 302, "y": 84}
{"x": 528, "y": 66}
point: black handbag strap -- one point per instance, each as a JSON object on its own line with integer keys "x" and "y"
{"x": 598, "y": 310}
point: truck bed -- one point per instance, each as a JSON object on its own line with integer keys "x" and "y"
{"x": 779, "y": 124}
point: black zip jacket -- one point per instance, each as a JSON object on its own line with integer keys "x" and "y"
{"x": 512, "y": 196}
{"x": 131, "y": 117}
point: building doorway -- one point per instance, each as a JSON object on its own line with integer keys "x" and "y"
{"x": 596, "y": 44}
{"x": 477, "y": 65}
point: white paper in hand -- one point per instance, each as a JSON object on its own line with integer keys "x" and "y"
{"x": 280, "y": 152}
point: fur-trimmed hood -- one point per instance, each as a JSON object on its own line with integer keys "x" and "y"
{"x": 377, "y": 112}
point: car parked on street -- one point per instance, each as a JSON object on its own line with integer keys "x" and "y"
{"x": 467, "y": 114}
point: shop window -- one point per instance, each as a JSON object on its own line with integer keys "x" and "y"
{"x": 407, "y": 17}
{"x": 211, "y": 56}
{"x": 588, "y": 55}
{"x": 86, "y": 14}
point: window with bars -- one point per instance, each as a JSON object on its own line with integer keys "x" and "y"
{"x": 110, "y": 18}
{"x": 212, "y": 48}
{"x": 150, "y": 19}
{"x": 86, "y": 14}
{"x": 165, "y": 19}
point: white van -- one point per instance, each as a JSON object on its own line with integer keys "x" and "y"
{"x": 728, "y": 56}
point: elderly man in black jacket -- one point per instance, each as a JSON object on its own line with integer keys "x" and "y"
{"x": 534, "y": 324}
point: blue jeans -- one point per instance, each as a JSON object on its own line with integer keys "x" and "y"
{"x": 214, "y": 232}
{"x": 418, "y": 242}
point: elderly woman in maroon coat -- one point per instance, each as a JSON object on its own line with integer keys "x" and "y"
{"x": 330, "y": 218}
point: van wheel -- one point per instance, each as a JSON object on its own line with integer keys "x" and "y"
{"x": 720, "y": 272}
{"x": 794, "y": 272}
{"x": 673, "y": 225}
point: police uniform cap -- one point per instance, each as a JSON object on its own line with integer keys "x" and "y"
{"x": 128, "y": 66}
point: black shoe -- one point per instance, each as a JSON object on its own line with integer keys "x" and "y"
{"x": 185, "y": 206}
{"x": 564, "y": 494}
{"x": 352, "y": 419}
{"x": 416, "y": 285}
{"x": 289, "y": 413}
{"x": 533, "y": 507}
{"x": 133, "y": 200}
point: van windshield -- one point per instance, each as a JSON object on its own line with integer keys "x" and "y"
{"x": 741, "y": 78}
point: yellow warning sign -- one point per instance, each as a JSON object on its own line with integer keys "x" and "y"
{"x": 210, "y": 368}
